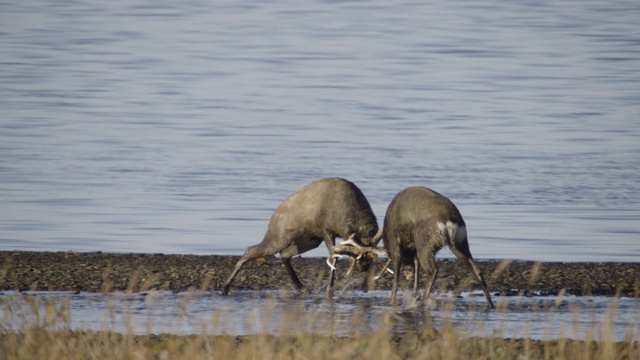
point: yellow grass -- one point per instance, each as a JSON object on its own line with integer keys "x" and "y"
{"x": 32, "y": 328}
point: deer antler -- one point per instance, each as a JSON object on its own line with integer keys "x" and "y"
{"x": 351, "y": 248}
{"x": 377, "y": 236}
{"x": 384, "y": 268}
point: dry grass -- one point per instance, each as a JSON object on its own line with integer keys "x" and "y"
{"x": 32, "y": 328}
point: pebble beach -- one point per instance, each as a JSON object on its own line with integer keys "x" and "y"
{"x": 103, "y": 272}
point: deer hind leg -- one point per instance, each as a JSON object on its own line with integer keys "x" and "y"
{"x": 466, "y": 257}
{"x": 252, "y": 252}
{"x": 227, "y": 285}
{"x": 476, "y": 271}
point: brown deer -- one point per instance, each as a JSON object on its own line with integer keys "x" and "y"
{"x": 321, "y": 211}
{"x": 418, "y": 223}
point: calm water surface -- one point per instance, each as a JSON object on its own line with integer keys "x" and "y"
{"x": 353, "y": 312}
{"x": 177, "y": 128}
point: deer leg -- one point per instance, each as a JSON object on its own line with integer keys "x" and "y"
{"x": 330, "y": 241}
{"x": 396, "y": 277}
{"x": 286, "y": 261}
{"x": 251, "y": 253}
{"x": 476, "y": 271}
{"x": 416, "y": 273}
{"x": 429, "y": 266}
{"x": 332, "y": 277}
{"x": 227, "y": 285}
{"x": 368, "y": 282}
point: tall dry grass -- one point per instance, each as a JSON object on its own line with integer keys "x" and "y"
{"x": 33, "y": 328}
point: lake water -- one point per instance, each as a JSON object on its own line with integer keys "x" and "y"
{"x": 140, "y": 126}
{"x": 352, "y": 312}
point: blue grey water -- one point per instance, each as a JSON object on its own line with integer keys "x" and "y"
{"x": 144, "y": 126}
{"x": 352, "y": 312}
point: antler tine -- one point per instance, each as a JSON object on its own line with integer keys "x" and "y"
{"x": 351, "y": 241}
{"x": 377, "y": 236}
{"x": 351, "y": 266}
{"x": 384, "y": 268}
{"x": 334, "y": 256}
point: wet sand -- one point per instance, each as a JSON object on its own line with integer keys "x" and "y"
{"x": 97, "y": 271}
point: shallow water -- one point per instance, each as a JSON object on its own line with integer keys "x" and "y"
{"x": 178, "y": 128}
{"x": 245, "y": 312}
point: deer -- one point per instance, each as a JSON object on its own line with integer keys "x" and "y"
{"x": 321, "y": 211}
{"x": 418, "y": 223}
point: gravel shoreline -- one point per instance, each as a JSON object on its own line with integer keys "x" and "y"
{"x": 97, "y": 271}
